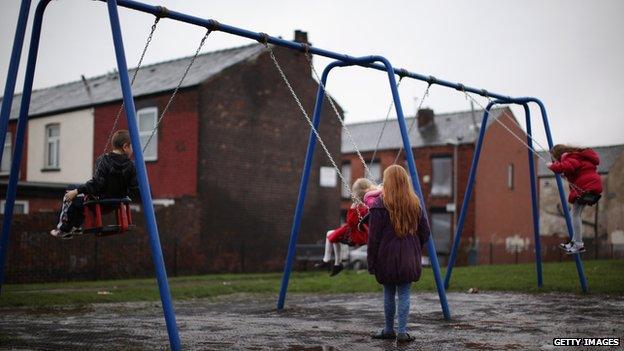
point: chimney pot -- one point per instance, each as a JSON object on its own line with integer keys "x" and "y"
{"x": 425, "y": 118}
{"x": 301, "y": 36}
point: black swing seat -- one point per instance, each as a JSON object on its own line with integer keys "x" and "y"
{"x": 98, "y": 211}
{"x": 588, "y": 198}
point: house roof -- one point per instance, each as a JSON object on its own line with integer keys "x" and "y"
{"x": 608, "y": 155}
{"x": 446, "y": 127}
{"x": 154, "y": 78}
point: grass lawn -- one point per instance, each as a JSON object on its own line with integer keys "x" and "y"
{"x": 604, "y": 277}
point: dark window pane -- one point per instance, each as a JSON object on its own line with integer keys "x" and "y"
{"x": 441, "y": 182}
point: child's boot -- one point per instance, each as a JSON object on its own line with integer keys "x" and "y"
{"x": 336, "y": 269}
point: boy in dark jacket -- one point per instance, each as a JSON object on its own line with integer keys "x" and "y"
{"x": 114, "y": 177}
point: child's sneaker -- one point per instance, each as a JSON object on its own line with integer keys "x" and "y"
{"x": 576, "y": 248}
{"x": 566, "y": 246}
{"x": 57, "y": 233}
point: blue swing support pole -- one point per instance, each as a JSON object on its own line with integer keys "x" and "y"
{"x": 364, "y": 62}
{"x": 5, "y": 114}
{"x": 373, "y": 62}
{"x": 146, "y": 197}
{"x": 534, "y": 201}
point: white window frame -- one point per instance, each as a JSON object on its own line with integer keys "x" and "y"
{"x": 345, "y": 169}
{"x": 327, "y": 177}
{"x": 8, "y": 145}
{"x": 17, "y": 202}
{"x": 436, "y": 191}
{"x": 376, "y": 163}
{"x": 57, "y": 141}
{"x": 146, "y": 133}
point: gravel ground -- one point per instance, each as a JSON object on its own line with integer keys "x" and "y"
{"x": 484, "y": 321}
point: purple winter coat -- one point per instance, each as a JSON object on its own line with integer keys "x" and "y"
{"x": 394, "y": 260}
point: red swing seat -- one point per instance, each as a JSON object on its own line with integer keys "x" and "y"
{"x": 96, "y": 211}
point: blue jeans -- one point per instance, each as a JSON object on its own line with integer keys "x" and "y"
{"x": 390, "y": 291}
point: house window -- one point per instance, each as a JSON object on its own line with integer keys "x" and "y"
{"x": 147, "y": 118}
{"x": 375, "y": 171}
{"x": 52, "y": 145}
{"x": 441, "y": 230}
{"x": 441, "y": 174}
{"x": 346, "y": 173}
{"x": 510, "y": 176}
{"x": 5, "y": 167}
{"x": 327, "y": 177}
{"x": 20, "y": 207}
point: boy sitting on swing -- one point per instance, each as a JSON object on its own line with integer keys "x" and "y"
{"x": 114, "y": 177}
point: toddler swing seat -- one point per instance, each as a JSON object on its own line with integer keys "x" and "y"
{"x": 588, "y": 198}
{"x": 104, "y": 217}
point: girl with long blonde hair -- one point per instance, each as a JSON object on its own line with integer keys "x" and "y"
{"x": 398, "y": 230}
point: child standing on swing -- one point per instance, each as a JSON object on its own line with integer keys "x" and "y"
{"x": 114, "y": 177}
{"x": 398, "y": 230}
{"x": 579, "y": 167}
{"x": 349, "y": 233}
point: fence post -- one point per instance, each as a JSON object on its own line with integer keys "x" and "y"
{"x": 611, "y": 250}
{"x": 95, "y": 260}
{"x": 175, "y": 256}
{"x": 242, "y": 257}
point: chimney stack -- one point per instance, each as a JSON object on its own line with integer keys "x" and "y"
{"x": 425, "y": 118}
{"x": 301, "y": 36}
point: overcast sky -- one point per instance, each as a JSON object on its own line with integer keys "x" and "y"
{"x": 568, "y": 53}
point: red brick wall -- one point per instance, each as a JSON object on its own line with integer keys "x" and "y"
{"x": 174, "y": 174}
{"x": 253, "y": 150}
{"x": 502, "y": 212}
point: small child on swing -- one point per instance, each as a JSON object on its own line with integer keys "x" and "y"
{"x": 579, "y": 167}
{"x": 350, "y": 233}
{"x": 114, "y": 177}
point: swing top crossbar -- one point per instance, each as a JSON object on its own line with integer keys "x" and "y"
{"x": 214, "y": 25}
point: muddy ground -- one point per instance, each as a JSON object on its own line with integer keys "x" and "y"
{"x": 484, "y": 321}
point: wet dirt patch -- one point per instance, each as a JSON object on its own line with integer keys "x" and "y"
{"x": 485, "y": 321}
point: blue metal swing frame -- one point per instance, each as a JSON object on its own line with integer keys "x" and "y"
{"x": 374, "y": 62}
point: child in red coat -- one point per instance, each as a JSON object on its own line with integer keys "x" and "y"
{"x": 579, "y": 167}
{"x": 349, "y": 233}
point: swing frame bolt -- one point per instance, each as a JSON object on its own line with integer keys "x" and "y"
{"x": 264, "y": 39}
{"x": 163, "y": 12}
{"x": 461, "y": 87}
{"x": 432, "y": 80}
{"x": 485, "y": 93}
{"x": 402, "y": 73}
{"x": 213, "y": 25}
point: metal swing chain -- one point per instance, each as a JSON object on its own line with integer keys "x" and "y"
{"x": 345, "y": 184}
{"x": 367, "y": 171}
{"x": 383, "y": 128}
{"x": 134, "y": 75}
{"x": 504, "y": 113}
{"x": 409, "y": 130}
{"x": 175, "y": 91}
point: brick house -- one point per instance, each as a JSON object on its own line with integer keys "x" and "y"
{"x": 224, "y": 166}
{"x": 443, "y": 144}
{"x": 602, "y": 224}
